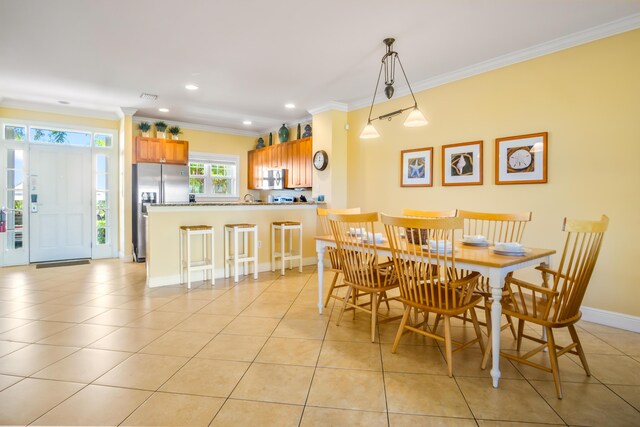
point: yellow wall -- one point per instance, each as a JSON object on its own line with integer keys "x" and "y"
{"x": 587, "y": 98}
{"x": 329, "y": 135}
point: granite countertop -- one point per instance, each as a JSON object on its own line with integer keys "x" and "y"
{"x": 237, "y": 204}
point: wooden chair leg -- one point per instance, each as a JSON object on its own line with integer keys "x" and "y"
{"x": 447, "y": 345}
{"x": 487, "y": 350}
{"x": 344, "y": 305}
{"x": 520, "y": 333}
{"x": 332, "y": 287}
{"x": 513, "y": 328}
{"x": 383, "y": 295}
{"x": 553, "y": 358}
{"x": 405, "y": 317}
{"x": 437, "y": 322}
{"x": 476, "y": 326}
{"x": 374, "y": 316}
{"x": 583, "y": 358}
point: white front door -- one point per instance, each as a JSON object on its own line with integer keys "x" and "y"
{"x": 60, "y": 203}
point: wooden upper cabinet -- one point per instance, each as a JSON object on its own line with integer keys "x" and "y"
{"x": 158, "y": 150}
{"x": 294, "y": 156}
{"x": 176, "y": 151}
{"x": 147, "y": 150}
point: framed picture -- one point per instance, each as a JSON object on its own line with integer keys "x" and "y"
{"x": 462, "y": 163}
{"x": 521, "y": 159}
{"x": 417, "y": 167}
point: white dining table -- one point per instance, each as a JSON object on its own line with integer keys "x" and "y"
{"x": 473, "y": 258}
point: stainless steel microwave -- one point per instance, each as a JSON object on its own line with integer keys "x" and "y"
{"x": 273, "y": 179}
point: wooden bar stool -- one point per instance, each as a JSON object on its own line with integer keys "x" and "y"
{"x": 284, "y": 227}
{"x": 206, "y": 263}
{"x": 234, "y": 232}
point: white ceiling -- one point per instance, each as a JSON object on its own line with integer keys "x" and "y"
{"x": 250, "y": 57}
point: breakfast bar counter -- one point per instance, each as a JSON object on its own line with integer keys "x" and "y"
{"x": 165, "y": 220}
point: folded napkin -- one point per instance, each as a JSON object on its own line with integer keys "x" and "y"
{"x": 508, "y": 246}
{"x": 357, "y": 231}
{"x": 475, "y": 238}
{"x": 439, "y": 246}
{"x": 378, "y": 237}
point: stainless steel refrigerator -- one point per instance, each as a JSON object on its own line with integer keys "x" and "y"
{"x": 155, "y": 183}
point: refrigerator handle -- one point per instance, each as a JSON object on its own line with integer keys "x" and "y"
{"x": 162, "y": 192}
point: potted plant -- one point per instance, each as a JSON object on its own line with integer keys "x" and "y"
{"x": 144, "y": 128}
{"x": 175, "y": 131}
{"x": 161, "y": 127}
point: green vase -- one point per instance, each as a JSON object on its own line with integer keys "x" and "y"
{"x": 283, "y": 133}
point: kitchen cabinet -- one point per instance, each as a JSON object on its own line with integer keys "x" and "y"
{"x": 299, "y": 164}
{"x": 294, "y": 156}
{"x": 159, "y": 150}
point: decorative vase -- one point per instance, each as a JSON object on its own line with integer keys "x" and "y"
{"x": 270, "y": 138}
{"x": 283, "y": 133}
{"x": 161, "y": 134}
{"x": 260, "y": 143}
{"x": 175, "y": 136}
{"x": 307, "y": 131}
{"x": 145, "y": 134}
{"x": 298, "y": 134}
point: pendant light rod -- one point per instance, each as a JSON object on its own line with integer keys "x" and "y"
{"x": 391, "y": 53}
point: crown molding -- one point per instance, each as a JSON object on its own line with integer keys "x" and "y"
{"x": 59, "y": 109}
{"x": 126, "y": 111}
{"x": 332, "y": 105}
{"x": 195, "y": 126}
{"x": 622, "y": 25}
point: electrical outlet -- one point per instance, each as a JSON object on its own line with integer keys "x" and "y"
{"x": 259, "y": 243}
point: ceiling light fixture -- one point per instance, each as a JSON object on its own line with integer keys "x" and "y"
{"x": 191, "y": 87}
{"x": 163, "y": 110}
{"x": 290, "y": 106}
{"x": 415, "y": 118}
{"x": 246, "y": 122}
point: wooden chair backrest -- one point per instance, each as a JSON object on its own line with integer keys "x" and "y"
{"x": 358, "y": 257}
{"x": 430, "y": 214}
{"x": 581, "y": 249}
{"x": 324, "y": 221}
{"x": 496, "y": 227}
{"x": 427, "y": 278}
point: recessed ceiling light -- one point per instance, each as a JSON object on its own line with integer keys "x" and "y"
{"x": 163, "y": 110}
{"x": 191, "y": 87}
{"x": 64, "y": 102}
{"x": 289, "y": 105}
{"x": 246, "y": 122}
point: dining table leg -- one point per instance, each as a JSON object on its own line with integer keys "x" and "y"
{"x": 496, "y": 280}
{"x": 320, "y": 251}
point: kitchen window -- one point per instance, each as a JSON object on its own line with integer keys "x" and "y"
{"x": 213, "y": 176}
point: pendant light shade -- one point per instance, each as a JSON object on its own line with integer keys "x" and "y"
{"x": 369, "y": 132}
{"x": 415, "y": 119}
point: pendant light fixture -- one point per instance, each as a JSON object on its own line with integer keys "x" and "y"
{"x": 415, "y": 118}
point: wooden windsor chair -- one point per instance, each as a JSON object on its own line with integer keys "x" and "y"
{"x": 332, "y": 252}
{"x": 496, "y": 227}
{"x": 429, "y": 281}
{"x": 356, "y": 246}
{"x": 555, "y": 304}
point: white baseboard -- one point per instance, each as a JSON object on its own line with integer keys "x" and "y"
{"x": 611, "y": 318}
{"x": 218, "y": 273}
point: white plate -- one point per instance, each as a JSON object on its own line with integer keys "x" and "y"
{"x": 471, "y": 243}
{"x": 438, "y": 251}
{"x": 520, "y": 252}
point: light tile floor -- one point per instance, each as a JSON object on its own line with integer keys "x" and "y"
{"x": 91, "y": 345}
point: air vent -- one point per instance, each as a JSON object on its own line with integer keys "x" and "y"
{"x": 148, "y": 96}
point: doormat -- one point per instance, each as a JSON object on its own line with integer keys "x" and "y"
{"x": 62, "y": 264}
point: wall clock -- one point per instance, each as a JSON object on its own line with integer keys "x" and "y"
{"x": 320, "y": 160}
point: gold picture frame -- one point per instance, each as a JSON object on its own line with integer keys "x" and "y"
{"x": 462, "y": 163}
{"x": 416, "y": 167}
{"x": 521, "y": 159}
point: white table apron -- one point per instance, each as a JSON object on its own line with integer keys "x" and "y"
{"x": 496, "y": 277}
